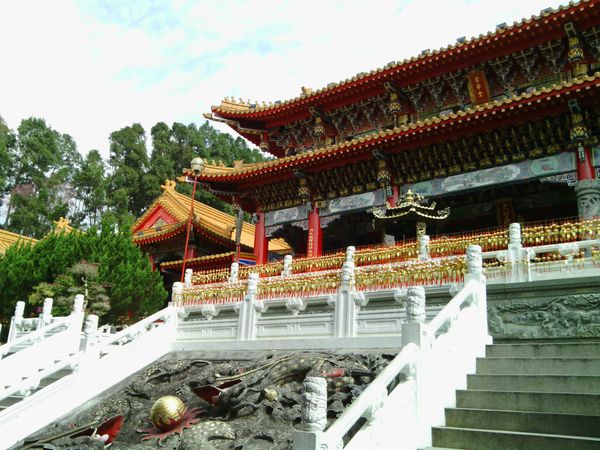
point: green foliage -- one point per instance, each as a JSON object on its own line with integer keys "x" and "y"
{"x": 43, "y": 162}
{"x": 89, "y": 184}
{"x": 122, "y": 271}
{"x": 82, "y": 278}
{"x": 43, "y": 177}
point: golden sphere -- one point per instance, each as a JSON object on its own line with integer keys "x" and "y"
{"x": 167, "y": 412}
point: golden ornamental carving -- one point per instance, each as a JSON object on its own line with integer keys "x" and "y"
{"x": 169, "y": 185}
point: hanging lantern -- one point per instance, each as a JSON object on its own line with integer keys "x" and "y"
{"x": 394, "y": 106}
{"x": 578, "y": 131}
{"x": 319, "y": 129}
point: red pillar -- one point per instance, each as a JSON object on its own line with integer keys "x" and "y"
{"x": 261, "y": 242}
{"x": 393, "y": 200}
{"x": 192, "y": 252}
{"x": 314, "y": 245}
{"x": 585, "y": 168}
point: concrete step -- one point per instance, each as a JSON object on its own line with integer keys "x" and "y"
{"x": 582, "y": 384}
{"x": 581, "y": 350}
{"x": 507, "y": 440}
{"x": 538, "y": 366}
{"x": 530, "y": 422}
{"x": 585, "y": 404}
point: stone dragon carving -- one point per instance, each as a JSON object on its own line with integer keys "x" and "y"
{"x": 251, "y": 402}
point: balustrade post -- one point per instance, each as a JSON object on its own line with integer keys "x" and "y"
{"x": 314, "y": 414}
{"x": 90, "y": 351}
{"x": 76, "y": 319}
{"x": 424, "y": 248}
{"x": 249, "y": 310}
{"x": 287, "y": 266}
{"x": 234, "y": 272}
{"x": 475, "y": 273}
{"x": 177, "y": 293}
{"x": 16, "y": 321}
{"x": 349, "y": 301}
{"x": 187, "y": 279}
{"x": 416, "y": 333}
{"x": 515, "y": 254}
{"x": 46, "y": 316}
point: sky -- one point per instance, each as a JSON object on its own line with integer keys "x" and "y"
{"x": 92, "y": 67}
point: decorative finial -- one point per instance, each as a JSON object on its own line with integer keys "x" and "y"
{"x": 169, "y": 185}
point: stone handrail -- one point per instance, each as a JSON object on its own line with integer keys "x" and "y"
{"x": 30, "y": 362}
{"x": 369, "y": 401}
{"x": 460, "y": 327}
{"x": 25, "y": 386}
{"x": 450, "y": 312}
{"x": 134, "y": 331}
{"x": 33, "y": 336}
{"x": 97, "y": 364}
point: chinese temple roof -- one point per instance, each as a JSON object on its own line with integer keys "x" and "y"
{"x": 208, "y": 220}
{"x": 426, "y": 129}
{"x": 546, "y": 26}
{"x": 8, "y": 239}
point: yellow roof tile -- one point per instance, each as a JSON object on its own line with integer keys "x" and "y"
{"x": 207, "y": 217}
{"x": 8, "y": 239}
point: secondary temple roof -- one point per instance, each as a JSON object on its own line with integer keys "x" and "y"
{"x": 154, "y": 225}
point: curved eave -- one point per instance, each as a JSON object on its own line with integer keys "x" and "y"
{"x": 499, "y": 111}
{"x": 519, "y": 35}
{"x": 149, "y": 236}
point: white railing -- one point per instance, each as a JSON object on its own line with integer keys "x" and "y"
{"x": 39, "y": 352}
{"x": 96, "y": 363}
{"x": 116, "y": 341}
{"x": 34, "y": 336}
{"x": 399, "y": 407}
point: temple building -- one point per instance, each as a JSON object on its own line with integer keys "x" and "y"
{"x": 501, "y": 128}
{"x": 161, "y": 233}
{"x": 427, "y": 248}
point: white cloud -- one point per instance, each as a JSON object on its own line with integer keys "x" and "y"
{"x": 90, "y": 68}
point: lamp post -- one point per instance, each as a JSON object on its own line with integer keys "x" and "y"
{"x": 197, "y": 164}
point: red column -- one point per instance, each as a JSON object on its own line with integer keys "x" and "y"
{"x": 395, "y": 195}
{"x": 314, "y": 245}
{"x": 192, "y": 252}
{"x": 585, "y": 168}
{"x": 261, "y": 242}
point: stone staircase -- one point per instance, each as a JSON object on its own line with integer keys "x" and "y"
{"x": 528, "y": 397}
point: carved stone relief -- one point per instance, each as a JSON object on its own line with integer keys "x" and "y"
{"x": 561, "y": 317}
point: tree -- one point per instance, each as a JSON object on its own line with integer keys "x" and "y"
{"x": 82, "y": 278}
{"x": 89, "y": 185}
{"x": 129, "y": 162}
{"x": 7, "y": 143}
{"x": 44, "y": 162}
{"x": 133, "y": 288}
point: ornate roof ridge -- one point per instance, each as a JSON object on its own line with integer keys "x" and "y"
{"x": 229, "y": 104}
{"x": 211, "y": 171}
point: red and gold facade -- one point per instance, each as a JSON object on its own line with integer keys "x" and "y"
{"x": 500, "y": 128}
{"x": 161, "y": 232}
